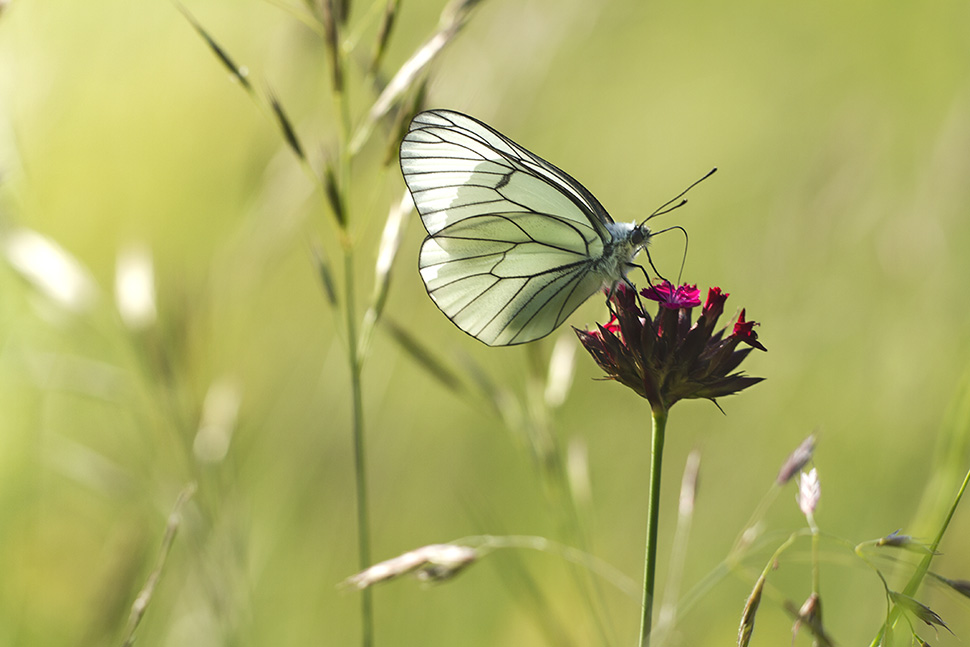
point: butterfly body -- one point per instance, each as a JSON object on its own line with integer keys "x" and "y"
{"x": 514, "y": 243}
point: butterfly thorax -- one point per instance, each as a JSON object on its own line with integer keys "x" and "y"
{"x": 618, "y": 254}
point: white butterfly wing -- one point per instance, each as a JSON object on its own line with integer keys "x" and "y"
{"x": 514, "y": 242}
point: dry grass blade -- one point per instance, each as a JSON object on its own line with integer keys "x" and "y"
{"x": 286, "y": 126}
{"x": 453, "y": 18}
{"x": 434, "y": 563}
{"x": 237, "y": 71}
{"x": 140, "y": 605}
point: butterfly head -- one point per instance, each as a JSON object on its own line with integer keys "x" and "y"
{"x": 640, "y": 236}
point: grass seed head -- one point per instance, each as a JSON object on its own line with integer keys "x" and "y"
{"x": 797, "y": 460}
{"x": 918, "y": 610}
{"x": 809, "y": 492}
{"x": 810, "y": 617}
{"x": 750, "y": 610}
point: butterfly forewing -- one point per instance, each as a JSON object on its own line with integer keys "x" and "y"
{"x": 514, "y": 244}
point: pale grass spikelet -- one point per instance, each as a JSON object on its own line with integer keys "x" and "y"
{"x": 50, "y": 269}
{"x": 135, "y": 287}
{"x": 809, "y": 492}
{"x": 577, "y": 470}
{"x": 220, "y": 410}
{"x": 436, "y": 562}
{"x": 797, "y": 460}
{"x": 667, "y": 618}
{"x": 453, "y": 18}
{"x": 562, "y": 367}
{"x": 688, "y": 485}
{"x": 391, "y": 239}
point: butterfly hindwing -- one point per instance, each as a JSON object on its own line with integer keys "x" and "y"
{"x": 502, "y": 285}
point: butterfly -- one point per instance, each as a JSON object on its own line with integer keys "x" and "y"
{"x": 514, "y": 244}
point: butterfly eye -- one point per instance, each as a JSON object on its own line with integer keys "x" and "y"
{"x": 640, "y": 235}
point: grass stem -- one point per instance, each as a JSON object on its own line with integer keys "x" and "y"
{"x": 360, "y": 471}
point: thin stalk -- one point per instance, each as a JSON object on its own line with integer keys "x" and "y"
{"x": 659, "y": 415}
{"x": 360, "y": 472}
{"x": 354, "y": 356}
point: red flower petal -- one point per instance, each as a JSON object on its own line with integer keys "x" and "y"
{"x": 714, "y": 305}
{"x": 744, "y": 331}
{"x": 685, "y": 296}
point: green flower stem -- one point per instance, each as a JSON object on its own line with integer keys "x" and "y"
{"x": 659, "y": 413}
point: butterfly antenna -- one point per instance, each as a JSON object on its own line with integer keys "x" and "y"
{"x": 683, "y": 259}
{"x": 666, "y": 206}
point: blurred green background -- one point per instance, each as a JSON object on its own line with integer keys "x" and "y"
{"x": 838, "y": 218}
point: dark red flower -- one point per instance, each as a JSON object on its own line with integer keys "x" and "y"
{"x": 744, "y": 330}
{"x": 685, "y": 296}
{"x": 714, "y": 305}
{"x": 666, "y": 358}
